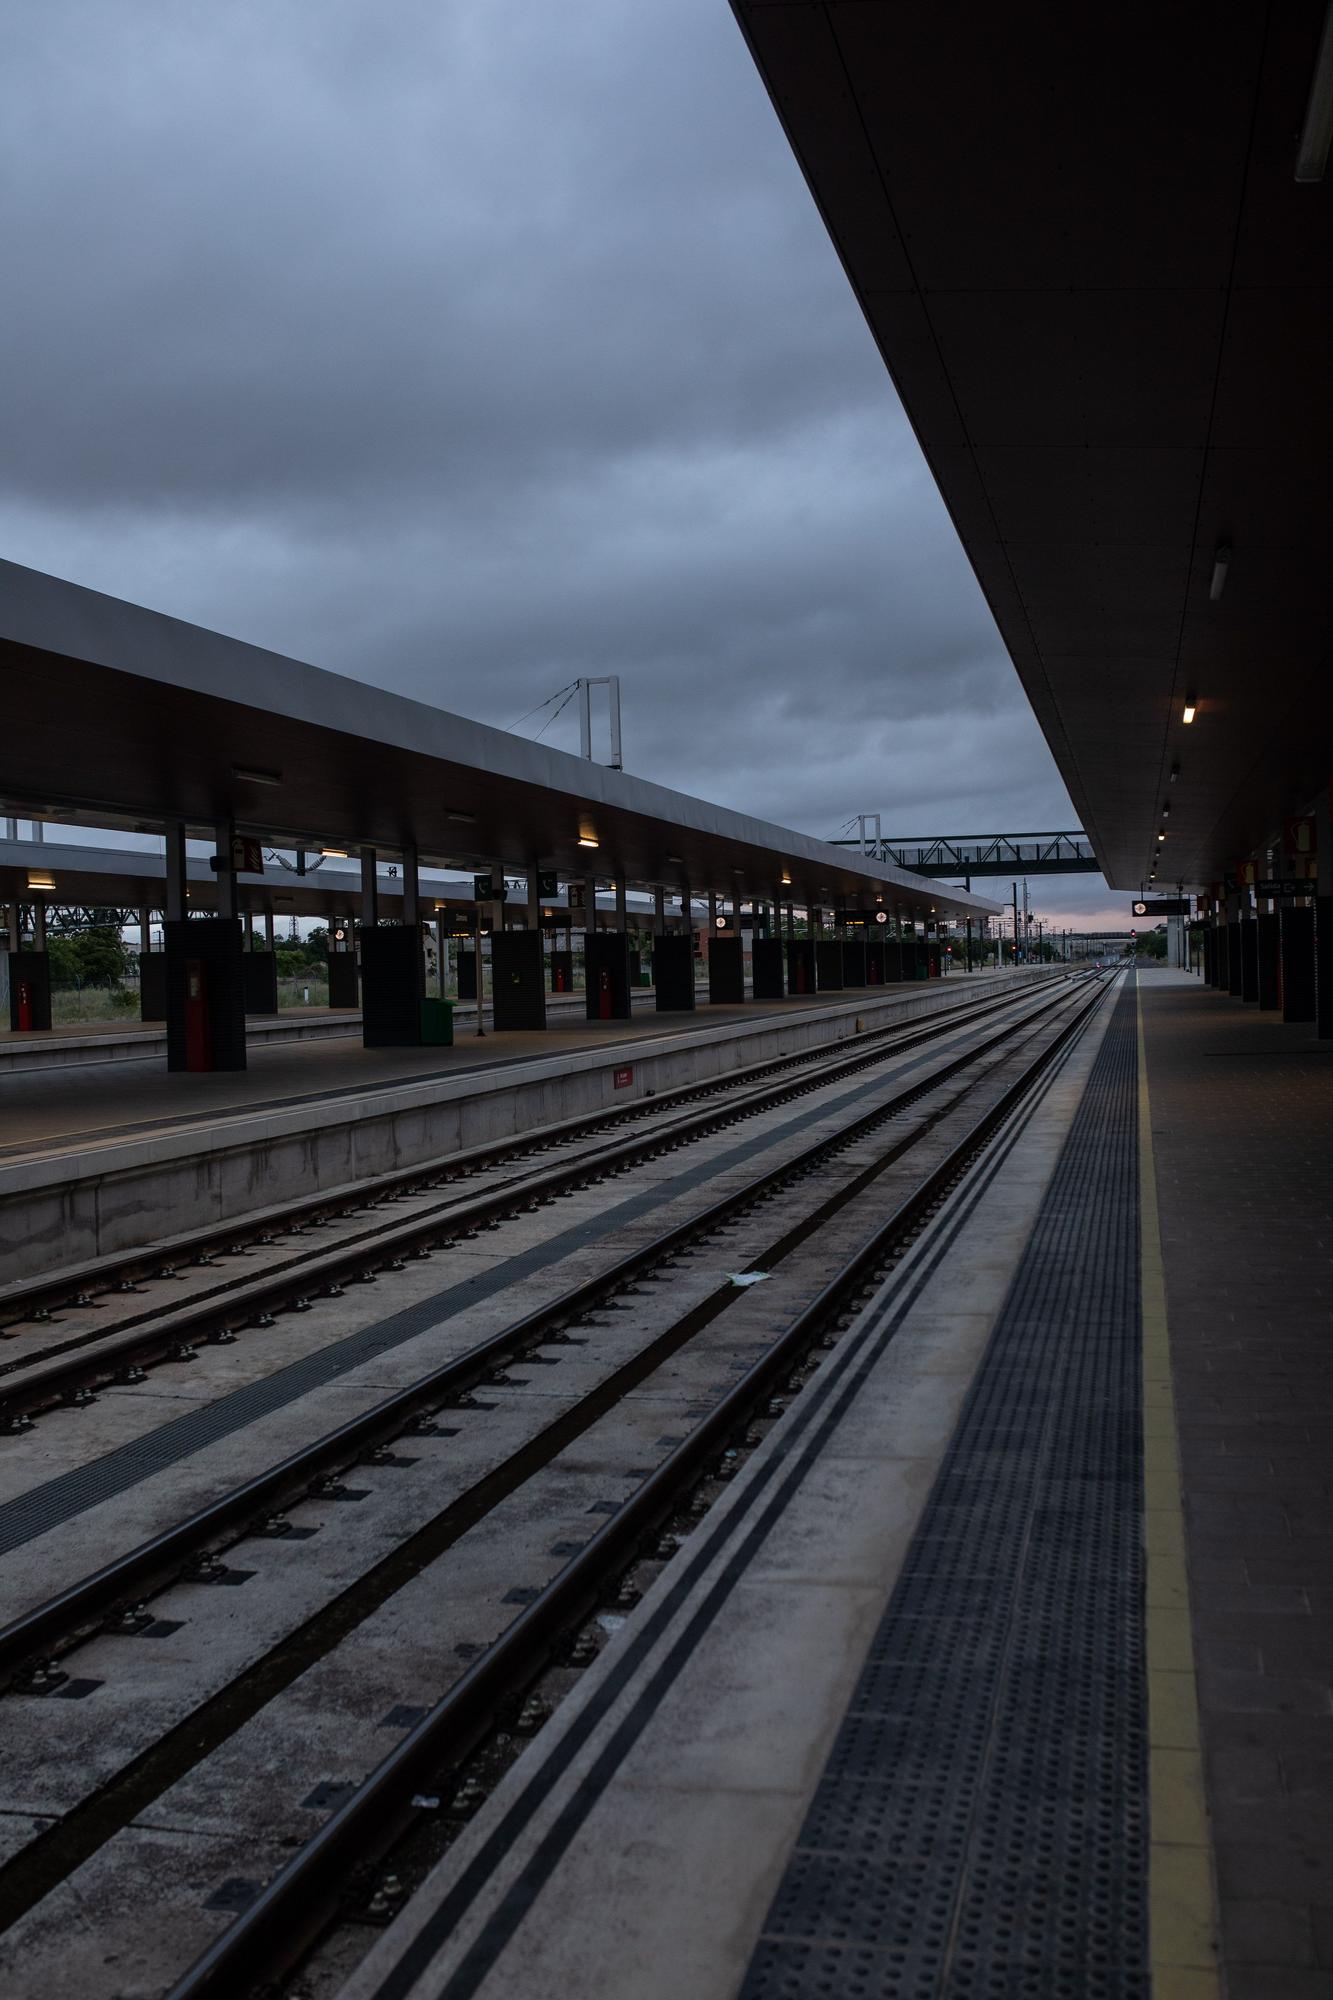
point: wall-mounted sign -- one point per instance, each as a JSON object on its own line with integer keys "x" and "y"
{"x": 245, "y": 858}
{"x": 1284, "y": 885}
{"x": 1163, "y": 906}
{"x": 622, "y": 1078}
{"x": 548, "y": 882}
{"x": 881, "y": 916}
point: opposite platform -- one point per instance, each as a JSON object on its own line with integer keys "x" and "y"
{"x": 96, "y": 1162}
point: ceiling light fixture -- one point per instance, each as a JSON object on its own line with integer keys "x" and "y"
{"x": 1190, "y": 709}
{"x": 588, "y": 840}
{"x": 459, "y": 817}
{"x": 1175, "y": 773}
{"x": 1166, "y": 807}
{"x": 1221, "y": 564}
{"x": 1317, "y": 131}
{"x": 786, "y": 880}
{"x": 41, "y": 881}
{"x": 678, "y": 859}
{"x": 248, "y": 775}
{"x": 334, "y": 853}
{"x": 1161, "y": 833}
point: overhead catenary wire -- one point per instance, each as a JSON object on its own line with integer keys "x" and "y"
{"x": 568, "y": 690}
{"x": 555, "y": 712}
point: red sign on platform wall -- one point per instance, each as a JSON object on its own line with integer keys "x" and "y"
{"x": 1298, "y": 835}
{"x": 247, "y": 856}
{"x": 621, "y": 1078}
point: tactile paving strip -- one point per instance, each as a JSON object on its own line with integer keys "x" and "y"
{"x": 980, "y": 1829}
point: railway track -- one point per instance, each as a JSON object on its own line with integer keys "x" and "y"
{"x": 138, "y": 1307}
{"x": 815, "y": 1229}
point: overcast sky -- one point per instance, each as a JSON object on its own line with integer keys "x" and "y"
{"x": 464, "y": 349}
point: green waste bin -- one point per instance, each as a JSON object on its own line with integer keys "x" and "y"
{"x": 437, "y": 1024}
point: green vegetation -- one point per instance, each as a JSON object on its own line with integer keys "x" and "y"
{"x": 87, "y": 958}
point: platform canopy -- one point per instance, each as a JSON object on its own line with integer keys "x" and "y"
{"x": 116, "y": 716}
{"x": 1106, "y": 302}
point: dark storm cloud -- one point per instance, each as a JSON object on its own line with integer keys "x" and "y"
{"x": 466, "y": 349}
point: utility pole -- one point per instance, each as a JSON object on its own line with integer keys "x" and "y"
{"x": 1014, "y": 887}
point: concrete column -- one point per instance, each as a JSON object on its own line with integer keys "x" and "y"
{"x": 177, "y": 898}
{"x": 686, "y": 912}
{"x": 659, "y": 911}
{"x": 441, "y": 963}
{"x": 370, "y": 890}
{"x": 39, "y": 923}
{"x": 481, "y": 980}
{"x": 411, "y": 887}
{"x": 534, "y": 897}
{"x": 145, "y": 931}
{"x": 12, "y": 925}
{"x": 622, "y": 903}
{"x": 229, "y": 888}
{"x": 268, "y": 930}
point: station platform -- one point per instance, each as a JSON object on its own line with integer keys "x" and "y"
{"x": 96, "y": 1160}
{"x": 80, "y": 1043}
{"x": 1006, "y": 1666}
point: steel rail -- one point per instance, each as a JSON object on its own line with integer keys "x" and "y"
{"x": 297, "y": 1905}
{"x": 128, "y": 1577}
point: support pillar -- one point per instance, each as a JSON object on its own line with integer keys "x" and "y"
{"x": 229, "y": 888}
{"x": 370, "y": 889}
{"x": 1298, "y": 967}
{"x": 205, "y": 993}
{"x": 411, "y": 888}
{"x": 1323, "y": 967}
{"x": 39, "y": 923}
{"x": 177, "y": 894}
{"x": 1249, "y": 959}
{"x": 1269, "y": 961}
{"x": 392, "y": 985}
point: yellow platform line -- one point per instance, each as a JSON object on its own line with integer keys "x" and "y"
{"x": 1182, "y": 1905}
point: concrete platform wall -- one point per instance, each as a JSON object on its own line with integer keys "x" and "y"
{"x": 63, "y": 1210}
